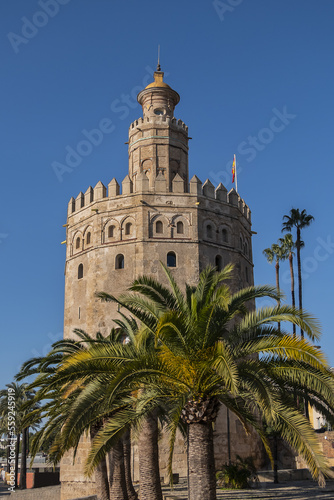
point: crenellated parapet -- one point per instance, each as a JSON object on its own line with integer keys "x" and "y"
{"x": 201, "y": 191}
{"x": 159, "y": 120}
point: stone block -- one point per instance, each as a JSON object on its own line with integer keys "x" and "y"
{"x": 89, "y": 196}
{"x": 99, "y": 191}
{"x": 113, "y": 188}
{"x": 79, "y": 201}
{"x": 208, "y": 189}
{"x": 178, "y": 184}
{"x": 195, "y": 186}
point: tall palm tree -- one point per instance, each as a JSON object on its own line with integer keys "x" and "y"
{"x": 21, "y": 395}
{"x": 202, "y": 361}
{"x": 57, "y": 414}
{"x": 299, "y": 220}
{"x": 275, "y": 252}
{"x": 209, "y": 350}
{"x": 99, "y": 399}
{"x": 288, "y": 245}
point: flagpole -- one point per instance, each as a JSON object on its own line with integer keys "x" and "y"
{"x": 236, "y": 178}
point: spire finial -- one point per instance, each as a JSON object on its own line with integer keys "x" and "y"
{"x": 158, "y": 66}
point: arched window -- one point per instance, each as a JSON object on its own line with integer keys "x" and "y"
{"x": 88, "y": 239}
{"x": 111, "y": 231}
{"x": 119, "y": 263}
{"x": 171, "y": 259}
{"x": 77, "y": 243}
{"x": 209, "y": 231}
{"x": 179, "y": 228}
{"x": 159, "y": 227}
{"x": 128, "y": 228}
{"x": 80, "y": 271}
{"x": 219, "y": 262}
{"x": 225, "y": 236}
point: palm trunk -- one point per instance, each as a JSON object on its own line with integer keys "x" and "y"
{"x": 17, "y": 458}
{"x": 275, "y": 459}
{"x": 110, "y": 460}
{"x": 149, "y": 473}
{"x": 201, "y": 463}
{"x": 299, "y": 277}
{"x": 228, "y": 435}
{"x": 101, "y": 481}
{"x": 277, "y": 286}
{"x": 293, "y": 300}
{"x": 132, "y": 494}
{"x": 8, "y": 451}
{"x": 306, "y": 412}
{"x": 101, "y": 473}
{"x": 23, "y": 474}
{"x": 118, "y": 487}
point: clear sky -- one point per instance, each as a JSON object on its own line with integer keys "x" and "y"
{"x": 255, "y": 78}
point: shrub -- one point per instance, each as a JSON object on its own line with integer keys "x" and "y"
{"x": 237, "y": 475}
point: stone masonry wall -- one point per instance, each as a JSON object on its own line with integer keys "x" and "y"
{"x": 216, "y": 230}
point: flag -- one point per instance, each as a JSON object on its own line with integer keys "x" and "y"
{"x": 233, "y": 169}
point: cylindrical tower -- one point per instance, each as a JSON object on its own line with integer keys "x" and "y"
{"x": 116, "y": 234}
{"x": 158, "y": 143}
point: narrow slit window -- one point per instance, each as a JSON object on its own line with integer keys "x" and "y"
{"x": 219, "y": 262}
{"x": 179, "y": 228}
{"x": 77, "y": 243}
{"x": 224, "y": 236}
{"x": 159, "y": 228}
{"x": 119, "y": 264}
{"x": 128, "y": 228}
{"x": 209, "y": 231}
{"x": 171, "y": 259}
{"x": 88, "y": 238}
{"x": 111, "y": 231}
{"x": 80, "y": 271}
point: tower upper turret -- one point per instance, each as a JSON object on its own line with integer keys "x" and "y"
{"x": 158, "y": 142}
{"x": 158, "y": 98}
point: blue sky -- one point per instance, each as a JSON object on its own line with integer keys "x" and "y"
{"x": 255, "y": 79}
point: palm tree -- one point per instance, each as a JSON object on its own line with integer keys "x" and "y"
{"x": 19, "y": 394}
{"x": 58, "y": 414}
{"x": 98, "y": 398}
{"x": 55, "y": 413}
{"x": 298, "y": 220}
{"x": 209, "y": 350}
{"x": 288, "y": 245}
{"x": 202, "y": 361}
{"x": 275, "y": 252}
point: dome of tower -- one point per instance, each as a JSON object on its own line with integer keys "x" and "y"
{"x": 155, "y": 84}
{"x": 158, "y": 81}
{"x": 158, "y": 98}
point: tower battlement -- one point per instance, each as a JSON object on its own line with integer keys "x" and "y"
{"x": 196, "y": 189}
{"x": 156, "y": 120}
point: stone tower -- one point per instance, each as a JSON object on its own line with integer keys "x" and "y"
{"x": 114, "y": 235}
